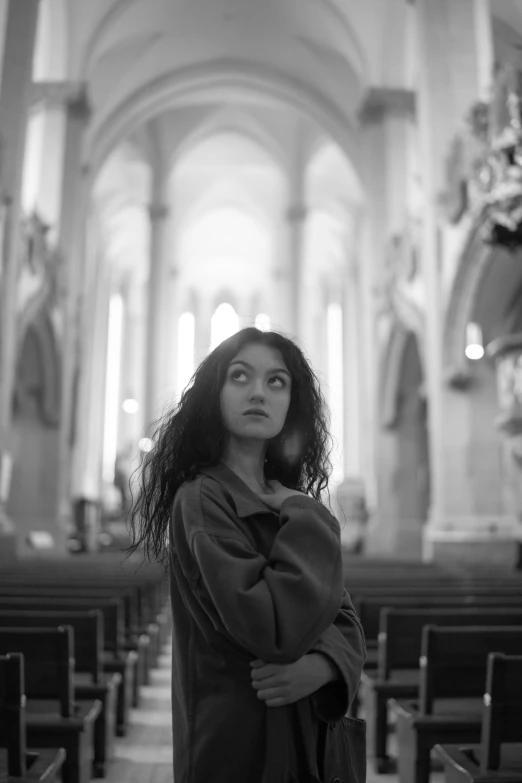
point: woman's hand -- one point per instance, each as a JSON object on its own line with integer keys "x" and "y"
{"x": 275, "y": 499}
{"x": 285, "y": 683}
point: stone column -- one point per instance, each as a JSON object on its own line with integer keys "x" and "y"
{"x": 466, "y": 518}
{"x": 353, "y": 386}
{"x": 18, "y": 21}
{"x": 73, "y": 215}
{"x": 296, "y": 221}
{"x": 157, "y": 341}
{"x": 90, "y": 409}
{"x": 370, "y": 234}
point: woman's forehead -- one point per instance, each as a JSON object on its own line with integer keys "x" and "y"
{"x": 257, "y": 354}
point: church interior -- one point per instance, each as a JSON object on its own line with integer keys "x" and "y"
{"x": 345, "y": 172}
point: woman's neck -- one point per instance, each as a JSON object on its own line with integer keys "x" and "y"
{"x": 247, "y": 461}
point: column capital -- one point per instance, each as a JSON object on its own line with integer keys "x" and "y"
{"x": 379, "y": 101}
{"x": 296, "y": 213}
{"x": 68, "y": 94}
{"x": 158, "y": 212}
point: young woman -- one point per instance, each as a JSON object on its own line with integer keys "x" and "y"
{"x": 261, "y": 621}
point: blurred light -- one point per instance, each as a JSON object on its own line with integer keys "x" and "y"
{"x": 474, "y": 352}
{"x": 474, "y": 342}
{"x": 262, "y": 322}
{"x": 131, "y": 406}
{"x": 145, "y": 444}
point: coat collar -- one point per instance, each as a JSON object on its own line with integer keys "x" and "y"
{"x": 245, "y": 500}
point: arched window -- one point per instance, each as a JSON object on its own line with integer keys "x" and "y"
{"x": 112, "y": 387}
{"x": 262, "y": 322}
{"x": 34, "y": 144}
{"x": 186, "y": 337}
{"x": 225, "y": 322}
{"x": 336, "y": 385}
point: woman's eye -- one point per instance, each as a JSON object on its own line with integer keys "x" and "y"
{"x": 236, "y": 373}
{"x": 281, "y": 381}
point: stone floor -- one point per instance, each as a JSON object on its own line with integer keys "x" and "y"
{"x": 145, "y": 754}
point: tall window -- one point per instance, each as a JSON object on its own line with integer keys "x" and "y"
{"x": 335, "y": 385}
{"x": 186, "y": 336}
{"x": 262, "y": 322}
{"x": 112, "y": 387}
{"x": 225, "y": 322}
{"x": 34, "y": 140}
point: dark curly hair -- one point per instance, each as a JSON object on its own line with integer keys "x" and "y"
{"x": 193, "y": 436}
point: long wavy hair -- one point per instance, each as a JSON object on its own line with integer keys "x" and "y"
{"x": 193, "y": 435}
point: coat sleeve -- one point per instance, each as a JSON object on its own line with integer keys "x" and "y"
{"x": 344, "y": 644}
{"x": 274, "y": 607}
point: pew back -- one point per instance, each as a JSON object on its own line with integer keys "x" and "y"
{"x": 400, "y": 631}
{"x": 87, "y": 628}
{"x": 502, "y": 716}
{"x": 453, "y": 661}
{"x": 12, "y": 713}
{"x": 112, "y": 609}
{"x": 49, "y": 662}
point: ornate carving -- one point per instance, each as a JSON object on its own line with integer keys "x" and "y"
{"x": 454, "y": 200}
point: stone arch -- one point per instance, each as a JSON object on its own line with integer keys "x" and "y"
{"x": 39, "y": 369}
{"x": 403, "y": 484}
{"x": 33, "y": 495}
{"x": 237, "y": 124}
{"x": 240, "y": 77}
{"x": 482, "y": 291}
{"x": 392, "y": 363}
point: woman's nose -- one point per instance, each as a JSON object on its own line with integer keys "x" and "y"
{"x": 257, "y": 392}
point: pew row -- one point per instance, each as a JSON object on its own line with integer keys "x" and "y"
{"x": 453, "y": 667}
{"x": 17, "y": 763}
{"x": 399, "y": 651}
{"x": 53, "y": 717}
{"x": 498, "y": 757}
{"x": 90, "y": 682}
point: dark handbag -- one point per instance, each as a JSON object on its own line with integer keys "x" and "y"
{"x": 341, "y": 751}
{"x": 292, "y": 757}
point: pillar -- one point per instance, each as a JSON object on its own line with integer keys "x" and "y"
{"x": 86, "y": 479}
{"x": 18, "y": 21}
{"x": 466, "y": 521}
{"x": 71, "y": 232}
{"x": 158, "y": 342}
{"x": 387, "y": 127}
{"x": 296, "y": 221}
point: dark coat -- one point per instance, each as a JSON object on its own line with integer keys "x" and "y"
{"x": 247, "y": 582}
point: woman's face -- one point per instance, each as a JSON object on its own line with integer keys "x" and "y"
{"x": 257, "y": 379}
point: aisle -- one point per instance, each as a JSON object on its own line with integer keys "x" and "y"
{"x": 145, "y": 754}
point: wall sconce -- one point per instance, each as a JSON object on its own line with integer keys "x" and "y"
{"x": 474, "y": 342}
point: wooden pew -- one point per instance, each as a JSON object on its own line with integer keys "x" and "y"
{"x": 17, "y": 764}
{"x": 397, "y": 675}
{"x": 369, "y": 607}
{"x": 453, "y": 667}
{"x": 53, "y": 717}
{"x": 493, "y": 760}
{"x": 115, "y": 657}
{"x": 90, "y": 682}
{"x": 148, "y": 593}
{"x": 134, "y": 640}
